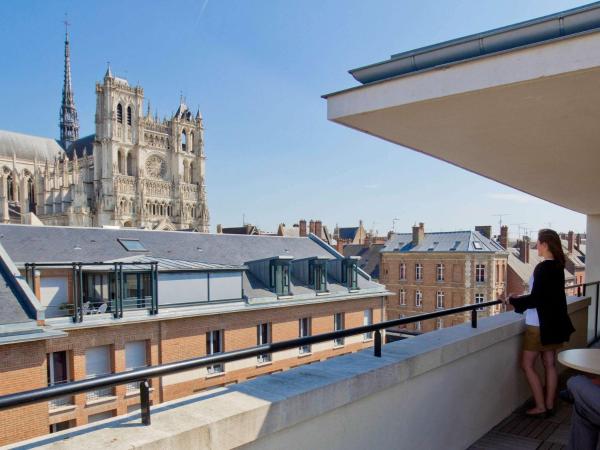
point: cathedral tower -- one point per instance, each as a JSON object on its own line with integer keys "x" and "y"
{"x": 69, "y": 123}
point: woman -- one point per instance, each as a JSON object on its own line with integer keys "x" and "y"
{"x": 547, "y": 322}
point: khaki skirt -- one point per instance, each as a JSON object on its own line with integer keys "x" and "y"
{"x": 533, "y": 343}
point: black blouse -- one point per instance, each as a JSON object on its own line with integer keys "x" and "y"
{"x": 548, "y": 297}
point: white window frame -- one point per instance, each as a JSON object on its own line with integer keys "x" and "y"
{"x": 368, "y": 320}
{"x": 479, "y": 298}
{"x": 265, "y": 357}
{"x": 304, "y": 330}
{"x": 135, "y": 386}
{"x": 219, "y": 367}
{"x": 439, "y": 323}
{"x": 402, "y": 270}
{"x": 439, "y": 272}
{"x": 480, "y": 273}
{"x": 338, "y": 326}
{"x": 402, "y": 295}
{"x": 418, "y": 326}
{"x": 439, "y": 299}
{"x": 418, "y": 298}
{"x": 418, "y": 272}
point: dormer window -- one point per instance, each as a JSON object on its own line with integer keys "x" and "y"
{"x": 317, "y": 274}
{"x": 279, "y": 277}
{"x": 350, "y": 274}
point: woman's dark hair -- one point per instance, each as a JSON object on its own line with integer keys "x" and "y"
{"x": 551, "y": 238}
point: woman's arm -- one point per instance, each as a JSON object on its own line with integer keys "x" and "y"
{"x": 538, "y": 293}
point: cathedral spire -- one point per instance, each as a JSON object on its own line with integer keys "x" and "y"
{"x": 69, "y": 123}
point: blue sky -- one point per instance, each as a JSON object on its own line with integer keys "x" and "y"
{"x": 257, "y": 70}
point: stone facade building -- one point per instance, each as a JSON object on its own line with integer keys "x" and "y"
{"x": 429, "y": 271}
{"x": 136, "y": 170}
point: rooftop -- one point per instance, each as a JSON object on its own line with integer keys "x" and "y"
{"x": 450, "y": 241}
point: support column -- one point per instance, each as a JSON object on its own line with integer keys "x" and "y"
{"x": 592, "y": 266}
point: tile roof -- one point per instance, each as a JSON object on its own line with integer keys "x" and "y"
{"x": 27, "y": 243}
{"x": 347, "y": 233}
{"x": 455, "y": 241}
{"x": 369, "y": 257}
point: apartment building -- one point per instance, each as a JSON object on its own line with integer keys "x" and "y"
{"x": 429, "y": 271}
{"x": 119, "y": 299}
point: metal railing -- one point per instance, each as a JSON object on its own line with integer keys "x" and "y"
{"x": 144, "y": 374}
{"x": 583, "y": 289}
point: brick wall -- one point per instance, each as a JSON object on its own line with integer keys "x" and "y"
{"x": 168, "y": 341}
{"x": 22, "y": 367}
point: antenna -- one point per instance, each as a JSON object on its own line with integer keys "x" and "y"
{"x": 500, "y": 216}
{"x": 394, "y": 224}
{"x": 519, "y": 226}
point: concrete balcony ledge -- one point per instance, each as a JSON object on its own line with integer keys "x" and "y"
{"x": 443, "y": 389}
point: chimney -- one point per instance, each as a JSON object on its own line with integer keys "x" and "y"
{"x": 570, "y": 241}
{"x": 318, "y": 228}
{"x": 485, "y": 230}
{"x": 311, "y": 226}
{"x": 303, "y": 228}
{"x": 219, "y": 229}
{"x": 504, "y": 236}
{"x": 577, "y": 240}
{"x": 418, "y": 234}
{"x": 524, "y": 250}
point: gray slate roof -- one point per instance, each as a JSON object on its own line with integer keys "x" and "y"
{"x": 167, "y": 265}
{"x": 459, "y": 241}
{"x": 28, "y": 147}
{"x": 84, "y": 144}
{"x": 26, "y": 243}
{"x": 369, "y": 257}
{"x": 523, "y": 270}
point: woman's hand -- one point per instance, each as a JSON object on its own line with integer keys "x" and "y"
{"x": 507, "y": 298}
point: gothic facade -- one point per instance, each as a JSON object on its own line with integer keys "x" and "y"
{"x": 136, "y": 171}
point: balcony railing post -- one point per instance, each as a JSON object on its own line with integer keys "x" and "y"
{"x": 578, "y": 291}
{"x": 145, "y": 401}
{"x": 121, "y": 291}
{"x": 75, "y": 296}
{"x": 474, "y": 318}
{"x": 80, "y": 291}
{"x": 377, "y": 346}
{"x": 597, "y": 292}
{"x": 115, "y": 293}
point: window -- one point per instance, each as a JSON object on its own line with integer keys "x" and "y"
{"x": 304, "y": 325}
{"x": 193, "y": 178}
{"x": 439, "y": 300}
{"x": 439, "y": 323}
{"x": 98, "y": 362}
{"x": 263, "y": 336}
{"x": 60, "y": 426}
{"x": 477, "y": 245}
{"x": 418, "y": 299}
{"x": 279, "y": 277}
{"x": 402, "y": 271}
{"x": 58, "y": 373}
{"x": 368, "y": 320}
{"x": 317, "y": 274}
{"x": 350, "y": 274}
{"x": 418, "y": 326}
{"x": 214, "y": 345}
{"x": 191, "y": 142}
{"x": 480, "y": 273}
{"x": 402, "y": 297}
{"x": 10, "y": 185}
{"x": 129, "y": 115}
{"x": 119, "y": 113}
{"x": 479, "y": 298}
{"x": 132, "y": 245}
{"x": 129, "y": 164}
{"x": 338, "y": 324}
{"x": 439, "y": 272}
{"x": 418, "y": 271}
{"x": 135, "y": 357}
{"x": 183, "y": 141}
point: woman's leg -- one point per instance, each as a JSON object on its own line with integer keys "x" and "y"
{"x": 549, "y": 358}
{"x": 527, "y": 364}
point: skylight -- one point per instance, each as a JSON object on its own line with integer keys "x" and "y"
{"x": 456, "y": 244}
{"x": 132, "y": 245}
{"x": 477, "y": 245}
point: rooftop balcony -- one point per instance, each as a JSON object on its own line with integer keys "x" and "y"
{"x": 444, "y": 389}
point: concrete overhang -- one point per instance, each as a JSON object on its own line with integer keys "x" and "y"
{"x": 527, "y": 117}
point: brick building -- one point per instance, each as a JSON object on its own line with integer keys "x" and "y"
{"x": 429, "y": 271}
{"x": 158, "y": 297}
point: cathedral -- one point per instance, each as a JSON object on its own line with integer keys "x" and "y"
{"x": 136, "y": 171}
